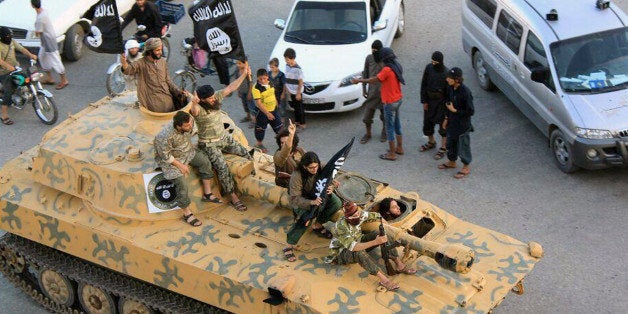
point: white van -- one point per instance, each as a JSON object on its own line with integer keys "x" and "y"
{"x": 564, "y": 64}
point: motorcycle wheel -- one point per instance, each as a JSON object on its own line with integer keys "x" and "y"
{"x": 116, "y": 82}
{"x": 185, "y": 81}
{"x": 45, "y": 109}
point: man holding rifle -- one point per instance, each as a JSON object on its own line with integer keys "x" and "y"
{"x": 350, "y": 244}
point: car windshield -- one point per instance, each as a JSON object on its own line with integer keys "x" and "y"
{"x": 327, "y": 23}
{"x": 593, "y": 63}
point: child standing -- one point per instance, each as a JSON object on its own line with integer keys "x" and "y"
{"x": 267, "y": 111}
{"x": 244, "y": 92}
{"x": 278, "y": 81}
{"x": 294, "y": 86}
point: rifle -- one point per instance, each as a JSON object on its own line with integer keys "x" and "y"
{"x": 390, "y": 270}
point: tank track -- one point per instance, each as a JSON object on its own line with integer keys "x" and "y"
{"x": 39, "y": 256}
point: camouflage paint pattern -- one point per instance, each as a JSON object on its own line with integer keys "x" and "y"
{"x": 81, "y": 191}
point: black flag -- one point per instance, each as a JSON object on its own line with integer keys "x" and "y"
{"x": 105, "y": 34}
{"x": 216, "y": 29}
{"x": 324, "y": 179}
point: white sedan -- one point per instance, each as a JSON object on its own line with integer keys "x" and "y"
{"x": 66, "y": 16}
{"x": 332, "y": 38}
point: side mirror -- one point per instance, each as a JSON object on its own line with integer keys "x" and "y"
{"x": 540, "y": 75}
{"x": 379, "y": 25}
{"x": 280, "y": 24}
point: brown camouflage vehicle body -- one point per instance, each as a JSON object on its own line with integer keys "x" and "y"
{"x": 80, "y": 226}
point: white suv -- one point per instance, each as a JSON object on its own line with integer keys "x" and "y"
{"x": 66, "y": 16}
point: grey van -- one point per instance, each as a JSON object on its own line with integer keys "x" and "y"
{"x": 564, "y": 64}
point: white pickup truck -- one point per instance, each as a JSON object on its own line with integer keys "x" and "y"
{"x": 66, "y": 16}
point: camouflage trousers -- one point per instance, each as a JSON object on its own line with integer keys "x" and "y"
{"x": 215, "y": 153}
{"x": 365, "y": 260}
{"x": 200, "y": 162}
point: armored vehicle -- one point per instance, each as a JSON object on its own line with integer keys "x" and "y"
{"x": 90, "y": 229}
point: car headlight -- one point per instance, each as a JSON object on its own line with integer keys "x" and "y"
{"x": 347, "y": 80}
{"x": 593, "y": 134}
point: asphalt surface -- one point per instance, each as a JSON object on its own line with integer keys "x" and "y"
{"x": 514, "y": 186}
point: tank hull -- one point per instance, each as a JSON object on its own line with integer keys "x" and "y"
{"x": 232, "y": 260}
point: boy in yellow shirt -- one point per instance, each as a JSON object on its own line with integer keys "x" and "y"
{"x": 268, "y": 113}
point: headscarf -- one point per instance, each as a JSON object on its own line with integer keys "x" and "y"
{"x": 390, "y": 60}
{"x": 377, "y": 45}
{"x": 151, "y": 44}
{"x": 438, "y": 57}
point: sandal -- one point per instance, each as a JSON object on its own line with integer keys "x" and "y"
{"x": 387, "y": 157}
{"x": 288, "y": 253}
{"x": 239, "y": 206}
{"x": 407, "y": 270}
{"x": 460, "y": 174}
{"x": 427, "y": 146}
{"x": 7, "y": 121}
{"x": 389, "y": 285}
{"x": 440, "y": 154}
{"x": 365, "y": 139}
{"x": 445, "y": 166}
{"x": 62, "y": 85}
{"x": 322, "y": 232}
{"x": 211, "y": 198}
{"x": 193, "y": 221}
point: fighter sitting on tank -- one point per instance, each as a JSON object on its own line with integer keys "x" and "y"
{"x": 174, "y": 152}
{"x": 212, "y": 137}
{"x": 350, "y": 244}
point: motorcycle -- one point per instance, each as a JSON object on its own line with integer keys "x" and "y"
{"x": 117, "y": 82}
{"x": 29, "y": 90}
{"x": 186, "y": 78}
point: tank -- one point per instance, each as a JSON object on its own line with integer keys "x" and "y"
{"x": 90, "y": 229}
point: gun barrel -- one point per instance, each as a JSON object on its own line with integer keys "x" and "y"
{"x": 455, "y": 257}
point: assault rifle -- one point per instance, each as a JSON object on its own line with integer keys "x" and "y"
{"x": 390, "y": 270}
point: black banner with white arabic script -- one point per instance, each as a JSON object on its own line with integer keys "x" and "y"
{"x": 105, "y": 35}
{"x": 216, "y": 28}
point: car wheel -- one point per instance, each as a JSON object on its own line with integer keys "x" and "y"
{"x": 401, "y": 26}
{"x": 563, "y": 154}
{"x": 73, "y": 44}
{"x": 479, "y": 64}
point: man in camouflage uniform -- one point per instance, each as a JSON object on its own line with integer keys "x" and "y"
{"x": 174, "y": 152}
{"x": 212, "y": 137}
{"x": 350, "y": 244}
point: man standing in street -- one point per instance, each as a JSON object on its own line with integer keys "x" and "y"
{"x": 433, "y": 92}
{"x": 174, "y": 152}
{"x": 391, "y": 78}
{"x": 458, "y": 123}
{"x": 373, "y": 102}
{"x": 49, "y": 56}
{"x": 212, "y": 137}
{"x": 155, "y": 90}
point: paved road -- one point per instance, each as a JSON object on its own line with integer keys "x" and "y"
{"x": 514, "y": 188}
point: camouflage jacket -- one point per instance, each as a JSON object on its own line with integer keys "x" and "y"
{"x": 171, "y": 144}
{"x": 346, "y": 236}
{"x": 209, "y": 122}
